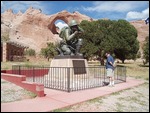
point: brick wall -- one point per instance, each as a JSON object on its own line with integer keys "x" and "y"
{"x": 20, "y": 80}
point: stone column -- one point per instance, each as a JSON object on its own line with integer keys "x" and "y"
{"x": 4, "y": 52}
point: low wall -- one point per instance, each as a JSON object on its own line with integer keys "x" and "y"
{"x": 6, "y": 71}
{"x": 20, "y": 80}
{"x": 35, "y": 72}
{"x": 28, "y": 72}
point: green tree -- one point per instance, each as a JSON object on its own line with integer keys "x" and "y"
{"x": 146, "y": 50}
{"x": 91, "y": 39}
{"x": 30, "y": 52}
{"x": 127, "y": 44}
{"x": 5, "y": 36}
{"x": 118, "y": 37}
{"x": 49, "y": 51}
{"x": 108, "y": 42}
{"x": 138, "y": 55}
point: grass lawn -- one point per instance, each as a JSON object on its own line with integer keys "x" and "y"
{"x": 137, "y": 70}
{"x": 134, "y": 69}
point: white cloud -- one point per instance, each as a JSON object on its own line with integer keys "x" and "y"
{"x": 16, "y": 6}
{"x": 29, "y": 2}
{"x": 137, "y": 15}
{"x": 61, "y": 25}
{"x": 114, "y": 6}
{"x": 1, "y": 3}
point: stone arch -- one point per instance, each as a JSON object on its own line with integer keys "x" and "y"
{"x": 52, "y": 26}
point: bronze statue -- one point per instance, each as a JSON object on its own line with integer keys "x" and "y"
{"x": 70, "y": 44}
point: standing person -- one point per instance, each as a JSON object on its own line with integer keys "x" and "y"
{"x": 110, "y": 68}
{"x": 71, "y": 44}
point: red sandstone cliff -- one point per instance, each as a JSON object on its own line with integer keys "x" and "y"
{"x": 35, "y": 29}
{"x": 143, "y": 30}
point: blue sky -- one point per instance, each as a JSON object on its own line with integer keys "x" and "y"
{"x": 114, "y": 10}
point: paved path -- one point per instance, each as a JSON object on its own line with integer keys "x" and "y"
{"x": 55, "y": 99}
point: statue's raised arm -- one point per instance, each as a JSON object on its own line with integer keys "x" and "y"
{"x": 70, "y": 45}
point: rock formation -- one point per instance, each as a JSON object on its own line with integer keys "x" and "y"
{"x": 35, "y": 29}
{"x": 143, "y": 32}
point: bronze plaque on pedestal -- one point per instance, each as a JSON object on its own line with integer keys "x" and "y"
{"x": 79, "y": 66}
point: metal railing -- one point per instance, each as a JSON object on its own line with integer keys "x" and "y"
{"x": 69, "y": 78}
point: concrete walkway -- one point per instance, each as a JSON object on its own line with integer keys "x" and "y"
{"x": 55, "y": 99}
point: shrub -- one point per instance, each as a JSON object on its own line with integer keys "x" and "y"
{"x": 30, "y": 52}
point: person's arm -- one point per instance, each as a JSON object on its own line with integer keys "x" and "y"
{"x": 110, "y": 62}
{"x": 68, "y": 36}
{"x": 80, "y": 30}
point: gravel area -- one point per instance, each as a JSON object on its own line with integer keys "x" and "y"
{"x": 11, "y": 92}
{"x": 129, "y": 100}
{"x": 135, "y": 99}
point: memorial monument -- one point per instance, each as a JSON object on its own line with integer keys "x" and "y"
{"x": 69, "y": 50}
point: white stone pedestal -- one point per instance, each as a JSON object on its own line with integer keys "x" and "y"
{"x": 66, "y": 72}
{"x": 73, "y": 65}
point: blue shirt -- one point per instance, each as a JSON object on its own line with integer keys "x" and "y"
{"x": 109, "y": 59}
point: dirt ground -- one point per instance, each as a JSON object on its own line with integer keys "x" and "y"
{"x": 135, "y": 99}
{"x": 11, "y": 92}
{"x": 130, "y": 100}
